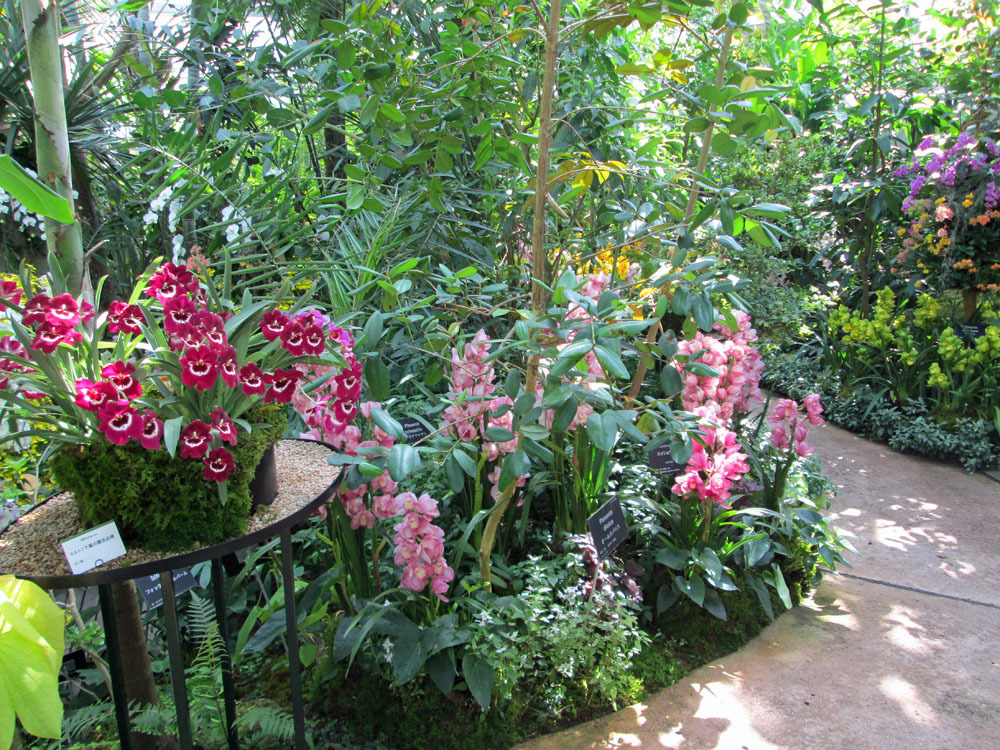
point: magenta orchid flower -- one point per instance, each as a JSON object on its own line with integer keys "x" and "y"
{"x": 200, "y": 368}
{"x": 120, "y": 422}
{"x": 219, "y": 463}
{"x": 125, "y": 318}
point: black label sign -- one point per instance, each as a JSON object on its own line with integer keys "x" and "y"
{"x": 413, "y": 430}
{"x": 151, "y": 593}
{"x": 607, "y": 526}
{"x": 660, "y": 460}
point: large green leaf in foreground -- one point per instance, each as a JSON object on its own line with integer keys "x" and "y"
{"x": 31, "y": 649}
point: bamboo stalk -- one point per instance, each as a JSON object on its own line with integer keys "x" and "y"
{"x": 41, "y": 32}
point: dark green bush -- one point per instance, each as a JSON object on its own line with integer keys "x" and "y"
{"x": 908, "y": 428}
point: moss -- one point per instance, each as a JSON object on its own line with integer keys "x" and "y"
{"x": 698, "y": 637}
{"x": 657, "y": 666}
{"x": 418, "y": 715}
{"x": 799, "y": 569}
{"x": 161, "y": 502}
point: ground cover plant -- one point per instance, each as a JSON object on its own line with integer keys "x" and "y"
{"x": 528, "y": 229}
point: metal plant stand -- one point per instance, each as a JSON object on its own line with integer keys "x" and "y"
{"x": 104, "y": 579}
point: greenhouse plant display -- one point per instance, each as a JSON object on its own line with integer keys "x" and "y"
{"x": 488, "y": 265}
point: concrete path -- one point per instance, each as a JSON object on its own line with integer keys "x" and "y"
{"x": 903, "y": 651}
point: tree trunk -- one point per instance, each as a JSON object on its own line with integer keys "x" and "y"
{"x": 140, "y": 687}
{"x": 539, "y": 260}
{"x": 41, "y": 32}
{"x": 691, "y": 208}
{"x": 969, "y": 299}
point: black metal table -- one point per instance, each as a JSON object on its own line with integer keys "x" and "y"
{"x": 104, "y": 579}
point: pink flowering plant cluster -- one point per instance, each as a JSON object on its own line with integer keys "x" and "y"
{"x": 732, "y": 508}
{"x": 173, "y": 368}
{"x": 721, "y": 380}
{"x": 566, "y": 429}
{"x": 374, "y": 514}
{"x": 789, "y": 437}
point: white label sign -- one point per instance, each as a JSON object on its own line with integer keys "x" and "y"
{"x": 93, "y": 547}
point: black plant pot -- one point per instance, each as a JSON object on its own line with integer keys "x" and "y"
{"x": 264, "y": 485}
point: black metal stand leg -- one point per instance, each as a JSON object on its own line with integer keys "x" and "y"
{"x": 115, "y": 665}
{"x": 228, "y": 686}
{"x": 177, "y": 681}
{"x": 292, "y": 639}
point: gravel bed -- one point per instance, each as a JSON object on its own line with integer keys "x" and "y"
{"x": 31, "y": 546}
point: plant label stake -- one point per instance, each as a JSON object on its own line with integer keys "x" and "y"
{"x": 151, "y": 592}
{"x": 608, "y": 528}
{"x": 413, "y": 430}
{"x": 661, "y": 461}
{"x": 93, "y": 547}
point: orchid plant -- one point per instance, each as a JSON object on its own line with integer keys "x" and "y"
{"x": 954, "y": 210}
{"x": 174, "y": 367}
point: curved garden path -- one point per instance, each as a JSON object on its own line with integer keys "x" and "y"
{"x": 903, "y": 651}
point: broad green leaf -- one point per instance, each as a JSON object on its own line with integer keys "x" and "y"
{"x": 697, "y": 125}
{"x": 372, "y": 331}
{"x": 478, "y": 676}
{"x": 377, "y": 377}
{"x": 611, "y": 362}
{"x": 714, "y": 604}
{"x": 402, "y": 460}
{"x": 712, "y": 564}
{"x": 348, "y": 103}
{"x": 33, "y": 194}
{"x": 499, "y": 434}
{"x": 762, "y": 594}
{"x": 693, "y": 589}
{"x": 408, "y": 656}
{"x": 455, "y": 475}
{"x": 672, "y": 557}
{"x": 780, "y": 586}
{"x": 31, "y": 649}
{"x": 570, "y": 355}
{"x": 441, "y": 668}
{"x": 386, "y": 422}
{"x": 466, "y": 462}
{"x": 602, "y": 429}
{"x": 172, "y": 434}
{"x": 670, "y": 381}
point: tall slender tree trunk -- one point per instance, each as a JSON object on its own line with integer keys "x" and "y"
{"x": 41, "y": 31}
{"x": 539, "y": 259}
{"x": 692, "y": 205}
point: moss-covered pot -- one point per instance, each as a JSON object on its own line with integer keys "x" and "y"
{"x": 163, "y": 503}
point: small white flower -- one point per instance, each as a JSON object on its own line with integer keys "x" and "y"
{"x": 178, "y": 246}
{"x": 175, "y": 207}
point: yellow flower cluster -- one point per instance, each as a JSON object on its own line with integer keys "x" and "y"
{"x": 989, "y": 344}
{"x": 878, "y": 332}
{"x": 610, "y": 262}
{"x": 926, "y": 310}
{"x": 938, "y": 378}
{"x": 959, "y": 357}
